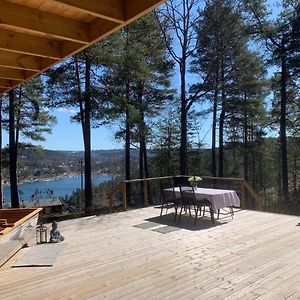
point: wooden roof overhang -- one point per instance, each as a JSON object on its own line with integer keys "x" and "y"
{"x": 36, "y": 34}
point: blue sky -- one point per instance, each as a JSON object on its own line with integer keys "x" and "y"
{"x": 68, "y": 136}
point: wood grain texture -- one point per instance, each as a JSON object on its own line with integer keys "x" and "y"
{"x": 16, "y": 235}
{"x": 254, "y": 256}
{"x": 36, "y": 34}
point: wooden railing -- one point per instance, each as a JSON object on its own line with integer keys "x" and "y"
{"x": 122, "y": 187}
{"x": 242, "y": 187}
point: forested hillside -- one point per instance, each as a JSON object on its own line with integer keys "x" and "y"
{"x": 46, "y": 164}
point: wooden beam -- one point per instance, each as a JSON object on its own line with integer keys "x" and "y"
{"x": 7, "y": 73}
{"x": 27, "y": 44}
{"x": 34, "y": 21}
{"x": 3, "y": 90}
{"x": 137, "y": 8}
{"x": 5, "y": 83}
{"x": 112, "y": 10}
{"x": 36, "y": 35}
{"x": 24, "y": 62}
{"x": 100, "y": 28}
{"x": 15, "y": 74}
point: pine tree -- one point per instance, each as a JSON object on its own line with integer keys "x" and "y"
{"x": 281, "y": 37}
{"x": 166, "y": 142}
{"x": 178, "y": 19}
{"x": 222, "y": 40}
{"x": 74, "y": 84}
{"x": 247, "y": 113}
{"x": 27, "y": 118}
{"x": 137, "y": 82}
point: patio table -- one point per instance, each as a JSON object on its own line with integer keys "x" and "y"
{"x": 217, "y": 197}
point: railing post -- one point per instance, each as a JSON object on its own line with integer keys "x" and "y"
{"x": 110, "y": 202}
{"x": 124, "y": 193}
{"x": 258, "y": 200}
{"x": 146, "y": 200}
{"x": 243, "y": 193}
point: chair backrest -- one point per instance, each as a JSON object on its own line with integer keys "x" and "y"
{"x": 168, "y": 196}
{"x": 187, "y": 192}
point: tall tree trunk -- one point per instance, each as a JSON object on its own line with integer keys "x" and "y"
{"x": 145, "y": 155}
{"x": 141, "y": 170}
{"x": 79, "y": 93}
{"x": 183, "y": 121}
{"x": 246, "y": 166}
{"x": 221, "y": 143}
{"x": 18, "y": 116}
{"x": 81, "y": 113}
{"x": 87, "y": 139}
{"x": 13, "y": 153}
{"x": 253, "y": 158}
{"x": 166, "y": 157}
{"x": 1, "y": 187}
{"x": 234, "y": 157}
{"x": 279, "y": 177}
{"x": 213, "y": 137}
{"x": 261, "y": 179}
{"x": 221, "y": 124}
{"x": 141, "y": 161}
{"x": 127, "y": 144}
{"x": 283, "y": 142}
{"x": 295, "y": 174}
{"x": 143, "y": 146}
{"x": 141, "y": 134}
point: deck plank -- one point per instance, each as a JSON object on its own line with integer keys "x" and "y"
{"x": 254, "y": 256}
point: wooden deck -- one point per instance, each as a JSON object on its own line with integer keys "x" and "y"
{"x": 254, "y": 256}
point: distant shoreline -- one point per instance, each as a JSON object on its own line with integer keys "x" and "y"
{"x": 55, "y": 187}
{"x": 45, "y": 179}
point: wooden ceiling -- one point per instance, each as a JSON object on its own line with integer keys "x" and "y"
{"x": 36, "y": 34}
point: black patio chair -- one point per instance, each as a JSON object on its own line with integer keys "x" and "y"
{"x": 189, "y": 201}
{"x": 168, "y": 200}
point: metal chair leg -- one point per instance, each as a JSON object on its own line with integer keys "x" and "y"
{"x": 190, "y": 211}
{"x": 196, "y": 214}
{"x": 180, "y": 214}
{"x": 161, "y": 210}
{"x": 232, "y": 213}
{"x": 176, "y": 209}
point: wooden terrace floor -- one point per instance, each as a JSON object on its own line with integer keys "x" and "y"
{"x": 254, "y": 256}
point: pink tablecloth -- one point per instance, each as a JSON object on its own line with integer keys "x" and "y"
{"x": 218, "y": 198}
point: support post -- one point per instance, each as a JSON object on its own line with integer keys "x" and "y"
{"x": 258, "y": 200}
{"x": 243, "y": 193}
{"x": 146, "y": 200}
{"x": 110, "y": 202}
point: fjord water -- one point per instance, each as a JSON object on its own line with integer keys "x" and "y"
{"x": 54, "y": 188}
